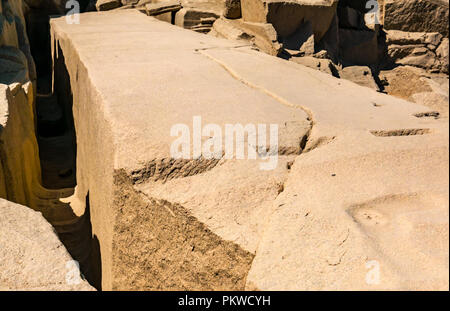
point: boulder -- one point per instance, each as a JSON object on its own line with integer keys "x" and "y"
{"x": 413, "y": 55}
{"x": 361, "y": 75}
{"x": 199, "y": 15}
{"x": 416, "y": 49}
{"x": 403, "y": 81}
{"x": 406, "y": 38}
{"x": 162, "y": 7}
{"x": 261, "y": 35}
{"x": 105, "y": 5}
{"x": 417, "y": 15}
{"x": 287, "y": 16}
{"x": 31, "y": 255}
{"x": 227, "y": 29}
{"x": 324, "y": 65}
{"x": 435, "y": 101}
{"x": 195, "y": 19}
{"x": 419, "y": 86}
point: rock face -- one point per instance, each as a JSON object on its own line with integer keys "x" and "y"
{"x": 361, "y": 75}
{"x": 417, "y": 49}
{"x": 13, "y": 35}
{"x": 287, "y": 16}
{"x": 442, "y": 53}
{"x": 417, "y": 15}
{"x": 324, "y": 65}
{"x": 261, "y": 35}
{"x": 31, "y": 255}
{"x": 19, "y": 149}
{"x": 225, "y": 224}
{"x": 162, "y": 7}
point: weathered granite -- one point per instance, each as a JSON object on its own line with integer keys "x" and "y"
{"x": 163, "y": 224}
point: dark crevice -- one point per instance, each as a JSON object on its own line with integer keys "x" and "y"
{"x": 56, "y": 137}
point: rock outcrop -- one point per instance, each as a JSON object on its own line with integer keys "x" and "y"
{"x": 358, "y": 186}
{"x": 416, "y": 15}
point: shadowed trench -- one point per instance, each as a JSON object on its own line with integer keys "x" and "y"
{"x": 56, "y": 136}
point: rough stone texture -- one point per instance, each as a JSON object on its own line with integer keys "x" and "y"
{"x": 168, "y": 224}
{"x": 324, "y": 65}
{"x": 162, "y": 7}
{"x": 199, "y": 15}
{"x": 417, "y": 15}
{"x": 263, "y": 36}
{"x": 417, "y": 49}
{"x": 31, "y": 255}
{"x": 287, "y": 16}
{"x": 129, "y": 2}
{"x": 105, "y": 5}
{"x": 361, "y": 75}
{"x": 416, "y": 85}
{"x": 232, "y": 9}
{"x": 224, "y": 28}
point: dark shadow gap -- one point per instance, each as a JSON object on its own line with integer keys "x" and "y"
{"x": 56, "y": 136}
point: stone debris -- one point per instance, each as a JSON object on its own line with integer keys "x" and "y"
{"x": 417, "y": 15}
{"x": 162, "y": 7}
